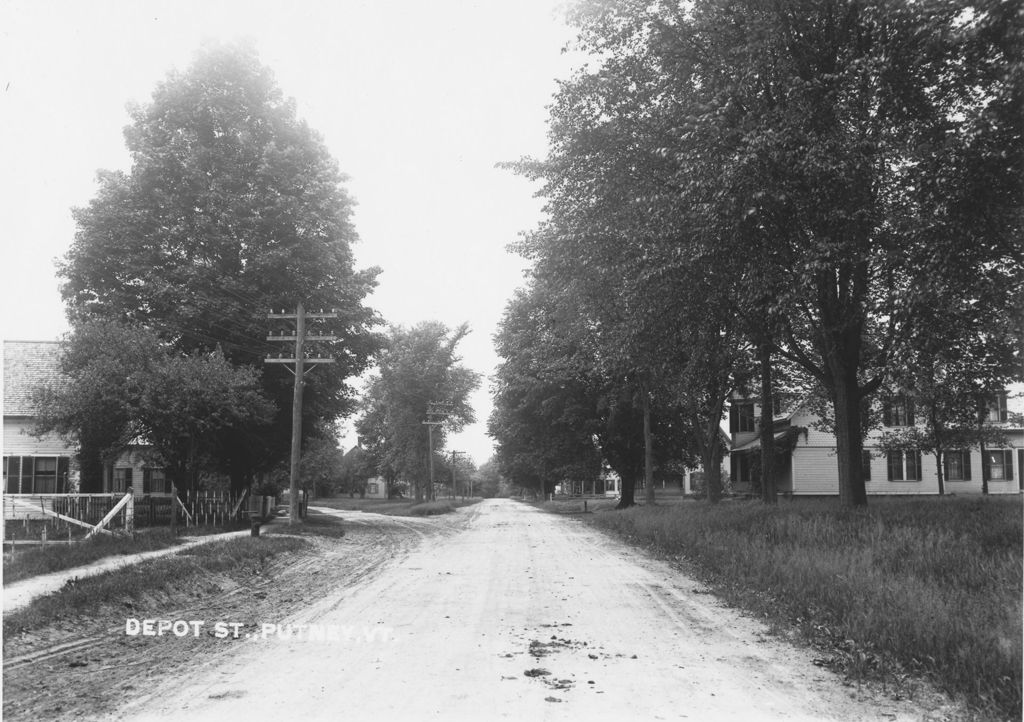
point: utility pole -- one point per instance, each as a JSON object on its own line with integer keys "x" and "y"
{"x": 455, "y": 491}
{"x": 437, "y": 414}
{"x": 299, "y": 360}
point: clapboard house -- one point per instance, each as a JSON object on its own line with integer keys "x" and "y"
{"x": 805, "y": 453}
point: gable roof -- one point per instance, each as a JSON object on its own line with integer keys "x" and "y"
{"x": 27, "y": 364}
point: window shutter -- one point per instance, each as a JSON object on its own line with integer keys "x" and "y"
{"x": 1008, "y": 464}
{"x": 910, "y": 412}
{"x": 887, "y": 414}
{"x": 734, "y": 462}
{"x": 967, "y": 465}
{"x": 128, "y": 479}
{"x": 733, "y": 419}
{"x": 1003, "y": 416}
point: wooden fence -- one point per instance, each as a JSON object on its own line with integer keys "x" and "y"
{"x": 63, "y": 513}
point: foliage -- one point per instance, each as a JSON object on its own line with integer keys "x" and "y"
{"x": 807, "y": 176}
{"x": 488, "y": 481}
{"x": 417, "y": 369}
{"x": 232, "y": 207}
{"x": 323, "y": 465}
{"x": 122, "y": 383}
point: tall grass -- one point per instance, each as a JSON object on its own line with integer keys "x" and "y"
{"x": 932, "y": 584}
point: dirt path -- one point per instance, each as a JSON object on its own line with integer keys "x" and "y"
{"x": 515, "y": 614}
{"x": 20, "y": 594}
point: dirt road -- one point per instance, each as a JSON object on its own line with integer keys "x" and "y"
{"x": 514, "y": 614}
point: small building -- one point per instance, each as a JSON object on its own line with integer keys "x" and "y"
{"x": 376, "y": 488}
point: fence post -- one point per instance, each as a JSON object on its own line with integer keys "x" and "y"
{"x": 174, "y": 514}
{"x": 129, "y": 512}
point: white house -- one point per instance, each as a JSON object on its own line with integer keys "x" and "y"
{"x": 806, "y": 455}
{"x": 46, "y": 464}
{"x": 32, "y": 465}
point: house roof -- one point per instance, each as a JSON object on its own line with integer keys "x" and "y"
{"x": 27, "y": 364}
{"x": 783, "y": 439}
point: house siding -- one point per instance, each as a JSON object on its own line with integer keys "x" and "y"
{"x": 19, "y": 441}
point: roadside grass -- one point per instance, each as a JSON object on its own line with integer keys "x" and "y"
{"x": 157, "y": 585}
{"x": 26, "y": 562}
{"x": 930, "y": 586}
{"x": 395, "y": 507}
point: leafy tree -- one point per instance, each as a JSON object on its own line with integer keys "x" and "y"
{"x": 820, "y": 155}
{"x": 323, "y": 465}
{"x": 122, "y": 383}
{"x": 418, "y": 368}
{"x": 232, "y": 207}
{"x": 545, "y": 405}
{"x": 88, "y": 404}
{"x": 184, "y": 401}
{"x": 488, "y": 481}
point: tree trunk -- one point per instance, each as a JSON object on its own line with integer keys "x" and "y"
{"x": 648, "y": 447}
{"x": 90, "y": 469}
{"x": 849, "y": 444}
{"x": 940, "y": 472}
{"x": 628, "y": 497}
{"x": 768, "y": 490}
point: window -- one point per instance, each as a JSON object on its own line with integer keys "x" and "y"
{"x": 741, "y": 417}
{"x": 371, "y": 489}
{"x": 904, "y": 465}
{"x": 898, "y": 411}
{"x": 865, "y": 464}
{"x": 998, "y": 465}
{"x": 740, "y": 468}
{"x": 45, "y": 481}
{"x": 155, "y": 481}
{"x": 997, "y": 408}
{"x": 122, "y": 480}
{"x": 35, "y": 474}
{"x": 958, "y": 465}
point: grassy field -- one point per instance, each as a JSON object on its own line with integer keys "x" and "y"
{"x": 394, "y": 507}
{"x": 32, "y": 561}
{"x": 930, "y": 586}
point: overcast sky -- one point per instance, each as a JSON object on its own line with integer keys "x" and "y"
{"x": 417, "y": 100}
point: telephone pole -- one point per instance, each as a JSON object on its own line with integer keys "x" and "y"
{"x": 437, "y": 414}
{"x": 298, "y": 368}
{"x": 455, "y": 491}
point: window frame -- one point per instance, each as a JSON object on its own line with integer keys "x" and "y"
{"x": 963, "y": 460}
{"x": 905, "y": 463}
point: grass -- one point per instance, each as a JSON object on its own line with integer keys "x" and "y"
{"x": 930, "y": 586}
{"x": 164, "y": 582}
{"x": 28, "y": 562}
{"x": 395, "y": 507}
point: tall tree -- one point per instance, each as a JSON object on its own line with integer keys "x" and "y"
{"x": 418, "y": 368}
{"x": 232, "y": 207}
{"x": 828, "y": 153}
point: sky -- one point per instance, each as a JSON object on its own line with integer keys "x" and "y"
{"x": 417, "y": 101}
